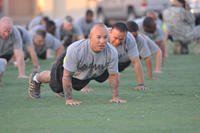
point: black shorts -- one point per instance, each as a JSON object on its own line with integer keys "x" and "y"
{"x": 7, "y": 57}
{"x": 123, "y": 65}
{"x": 43, "y": 55}
{"x": 77, "y": 84}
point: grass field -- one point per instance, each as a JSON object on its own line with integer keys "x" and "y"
{"x": 172, "y": 105}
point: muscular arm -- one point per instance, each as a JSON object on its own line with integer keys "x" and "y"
{"x": 67, "y": 87}
{"x": 18, "y": 53}
{"x": 149, "y": 68}
{"x": 59, "y": 51}
{"x": 33, "y": 56}
{"x": 138, "y": 70}
{"x": 114, "y": 84}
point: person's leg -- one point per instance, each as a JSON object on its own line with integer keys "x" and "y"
{"x": 3, "y": 64}
{"x": 177, "y": 48}
{"x": 197, "y": 48}
{"x": 35, "y": 80}
{"x": 184, "y": 48}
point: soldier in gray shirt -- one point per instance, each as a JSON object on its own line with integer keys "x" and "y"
{"x": 11, "y": 44}
{"x": 146, "y": 48}
{"x": 127, "y": 49}
{"x": 85, "y": 60}
{"x": 28, "y": 46}
{"x": 86, "y": 23}
{"x": 43, "y": 41}
{"x": 67, "y": 32}
{"x": 181, "y": 25}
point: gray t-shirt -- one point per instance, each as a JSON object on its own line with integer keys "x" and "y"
{"x": 157, "y": 36}
{"x": 128, "y": 49}
{"x": 153, "y": 47}
{"x": 88, "y": 64}
{"x": 25, "y": 36}
{"x": 83, "y": 26}
{"x": 61, "y": 34}
{"x": 34, "y": 22}
{"x": 50, "y": 41}
{"x": 14, "y": 41}
{"x": 142, "y": 46}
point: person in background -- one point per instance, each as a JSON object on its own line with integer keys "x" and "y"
{"x": 146, "y": 48}
{"x": 86, "y": 22}
{"x": 128, "y": 53}
{"x": 28, "y": 47}
{"x": 43, "y": 41}
{"x": 180, "y": 24}
{"x": 150, "y": 29}
{"x": 11, "y": 44}
{"x": 38, "y": 20}
{"x": 67, "y": 32}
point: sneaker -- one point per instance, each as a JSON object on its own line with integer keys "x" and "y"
{"x": 60, "y": 94}
{"x": 34, "y": 87}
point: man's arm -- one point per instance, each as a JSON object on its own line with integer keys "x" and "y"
{"x": 19, "y": 55}
{"x": 114, "y": 83}
{"x": 67, "y": 88}
{"x": 33, "y": 57}
{"x": 139, "y": 73}
{"x": 59, "y": 50}
{"x": 148, "y": 63}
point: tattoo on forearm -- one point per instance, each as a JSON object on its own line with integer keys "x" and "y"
{"x": 67, "y": 85}
{"x": 114, "y": 84}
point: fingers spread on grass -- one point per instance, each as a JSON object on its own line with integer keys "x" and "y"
{"x": 141, "y": 88}
{"x": 86, "y": 89}
{"x": 118, "y": 100}
{"x": 72, "y": 102}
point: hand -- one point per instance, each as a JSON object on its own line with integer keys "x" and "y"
{"x": 141, "y": 87}
{"x": 157, "y": 71}
{"x": 86, "y": 89}
{"x": 36, "y": 68}
{"x": 23, "y": 77}
{"x": 117, "y": 100}
{"x": 152, "y": 78}
{"x": 72, "y": 102}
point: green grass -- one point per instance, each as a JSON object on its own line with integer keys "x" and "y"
{"x": 172, "y": 105}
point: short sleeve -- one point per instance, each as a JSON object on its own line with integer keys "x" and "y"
{"x": 70, "y": 61}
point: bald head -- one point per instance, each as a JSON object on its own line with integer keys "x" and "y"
{"x": 6, "y": 21}
{"x": 98, "y": 37}
{"x": 98, "y": 26}
{"x": 6, "y": 25}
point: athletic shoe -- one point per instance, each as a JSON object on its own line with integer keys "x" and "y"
{"x": 34, "y": 87}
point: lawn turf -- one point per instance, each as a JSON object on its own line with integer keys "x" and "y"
{"x": 172, "y": 105}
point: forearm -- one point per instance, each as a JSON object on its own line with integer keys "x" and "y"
{"x": 59, "y": 51}
{"x": 138, "y": 71}
{"x": 114, "y": 84}
{"x": 149, "y": 67}
{"x": 18, "y": 53}
{"x": 67, "y": 86}
{"x": 34, "y": 58}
